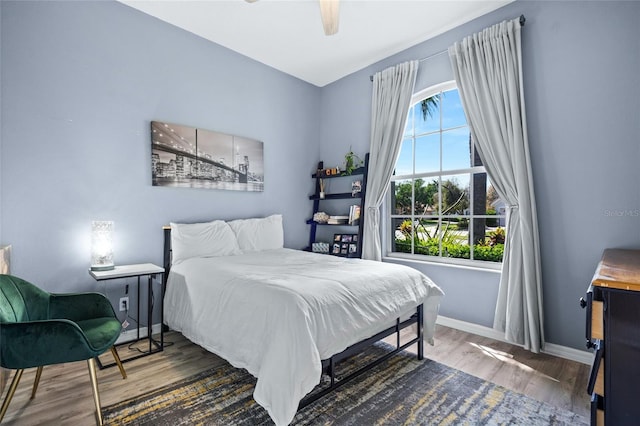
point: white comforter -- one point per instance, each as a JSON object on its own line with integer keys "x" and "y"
{"x": 278, "y": 313}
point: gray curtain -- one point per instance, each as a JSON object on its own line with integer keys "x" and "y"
{"x": 390, "y": 101}
{"x": 488, "y": 70}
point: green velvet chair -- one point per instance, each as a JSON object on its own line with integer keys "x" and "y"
{"x": 38, "y": 328}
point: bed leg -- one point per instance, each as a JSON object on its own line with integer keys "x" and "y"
{"x": 420, "y": 335}
{"x": 332, "y": 371}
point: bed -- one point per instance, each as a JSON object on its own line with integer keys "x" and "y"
{"x": 286, "y": 316}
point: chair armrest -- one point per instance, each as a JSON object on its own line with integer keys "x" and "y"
{"x": 36, "y": 343}
{"x": 80, "y": 306}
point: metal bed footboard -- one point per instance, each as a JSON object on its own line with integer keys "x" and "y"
{"x": 329, "y": 365}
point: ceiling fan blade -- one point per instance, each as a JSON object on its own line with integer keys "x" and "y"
{"x": 330, "y": 14}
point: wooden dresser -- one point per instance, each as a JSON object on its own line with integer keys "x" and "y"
{"x": 613, "y": 330}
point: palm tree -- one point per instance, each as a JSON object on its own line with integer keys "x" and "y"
{"x": 430, "y": 106}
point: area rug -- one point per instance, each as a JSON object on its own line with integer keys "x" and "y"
{"x": 400, "y": 391}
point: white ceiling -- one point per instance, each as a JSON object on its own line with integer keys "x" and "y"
{"x": 288, "y": 36}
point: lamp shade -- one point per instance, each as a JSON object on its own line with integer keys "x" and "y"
{"x": 102, "y": 245}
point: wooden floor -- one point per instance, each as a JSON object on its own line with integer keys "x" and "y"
{"x": 64, "y": 395}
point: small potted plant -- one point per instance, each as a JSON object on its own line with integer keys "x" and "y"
{"x": 351, "y": 162}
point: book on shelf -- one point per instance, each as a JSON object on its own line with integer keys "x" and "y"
{"x": 354, "y": 215}
{"x": 338, "y": 220}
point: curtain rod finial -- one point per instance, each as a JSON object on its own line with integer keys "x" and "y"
{"x": 522, "y": 20}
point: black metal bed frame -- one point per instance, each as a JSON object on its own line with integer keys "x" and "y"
{"x": 329, "y": 365}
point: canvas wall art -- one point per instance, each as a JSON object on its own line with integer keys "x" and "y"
{"x": 188, "y": 157}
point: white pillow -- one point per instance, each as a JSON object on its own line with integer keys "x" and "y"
{"x": 259, "y": 234}
{"x": 209, "y": 239}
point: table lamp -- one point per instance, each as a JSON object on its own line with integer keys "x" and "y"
{"x": 102, "y": 245}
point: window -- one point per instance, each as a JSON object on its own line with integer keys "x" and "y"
{"x": 442, "y": 202}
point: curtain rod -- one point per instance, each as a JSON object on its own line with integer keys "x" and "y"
{"x": 522, "y": 21}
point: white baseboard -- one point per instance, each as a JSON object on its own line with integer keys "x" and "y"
{"x": 566, "y": 352}
{"x": 132, "y": 334}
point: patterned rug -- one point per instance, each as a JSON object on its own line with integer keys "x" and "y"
{"x": 400, "y": 391}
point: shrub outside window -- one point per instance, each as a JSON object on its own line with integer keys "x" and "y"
{"x": 442, "y": 202}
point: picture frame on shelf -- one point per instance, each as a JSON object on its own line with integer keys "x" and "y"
{"x": 345, "y": 238}
{"x": 356, "y": 187}
{"x": 345, "y": 245}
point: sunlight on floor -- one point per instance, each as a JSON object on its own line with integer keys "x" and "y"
{"x": 508, "y": 359}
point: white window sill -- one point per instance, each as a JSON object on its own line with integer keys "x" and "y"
{"x": 476, "y": 265}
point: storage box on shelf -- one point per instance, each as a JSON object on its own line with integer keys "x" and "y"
{"x": 349, "y": 219}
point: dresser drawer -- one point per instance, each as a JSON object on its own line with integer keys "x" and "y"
{"x": 597, "y": 411}
{"x": 599, "y": 385}
{"x": 599, "y": 417}
{"x": 596, "y": 378}
{"x": 595, "y": 313}
{"x": 597, "y": 322}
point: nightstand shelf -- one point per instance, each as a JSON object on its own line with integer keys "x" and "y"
{"x": 138, "y": 271}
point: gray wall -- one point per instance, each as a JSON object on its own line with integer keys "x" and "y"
{"x": 81, "y": 82}
{"x": 581, "y": 65}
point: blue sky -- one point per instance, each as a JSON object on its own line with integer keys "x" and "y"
{"x": 455, "y": 142}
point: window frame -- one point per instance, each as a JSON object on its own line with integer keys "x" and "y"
{"x": 390, "y": 216}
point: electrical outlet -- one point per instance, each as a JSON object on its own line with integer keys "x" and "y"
{"x": 124, "y": 304}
